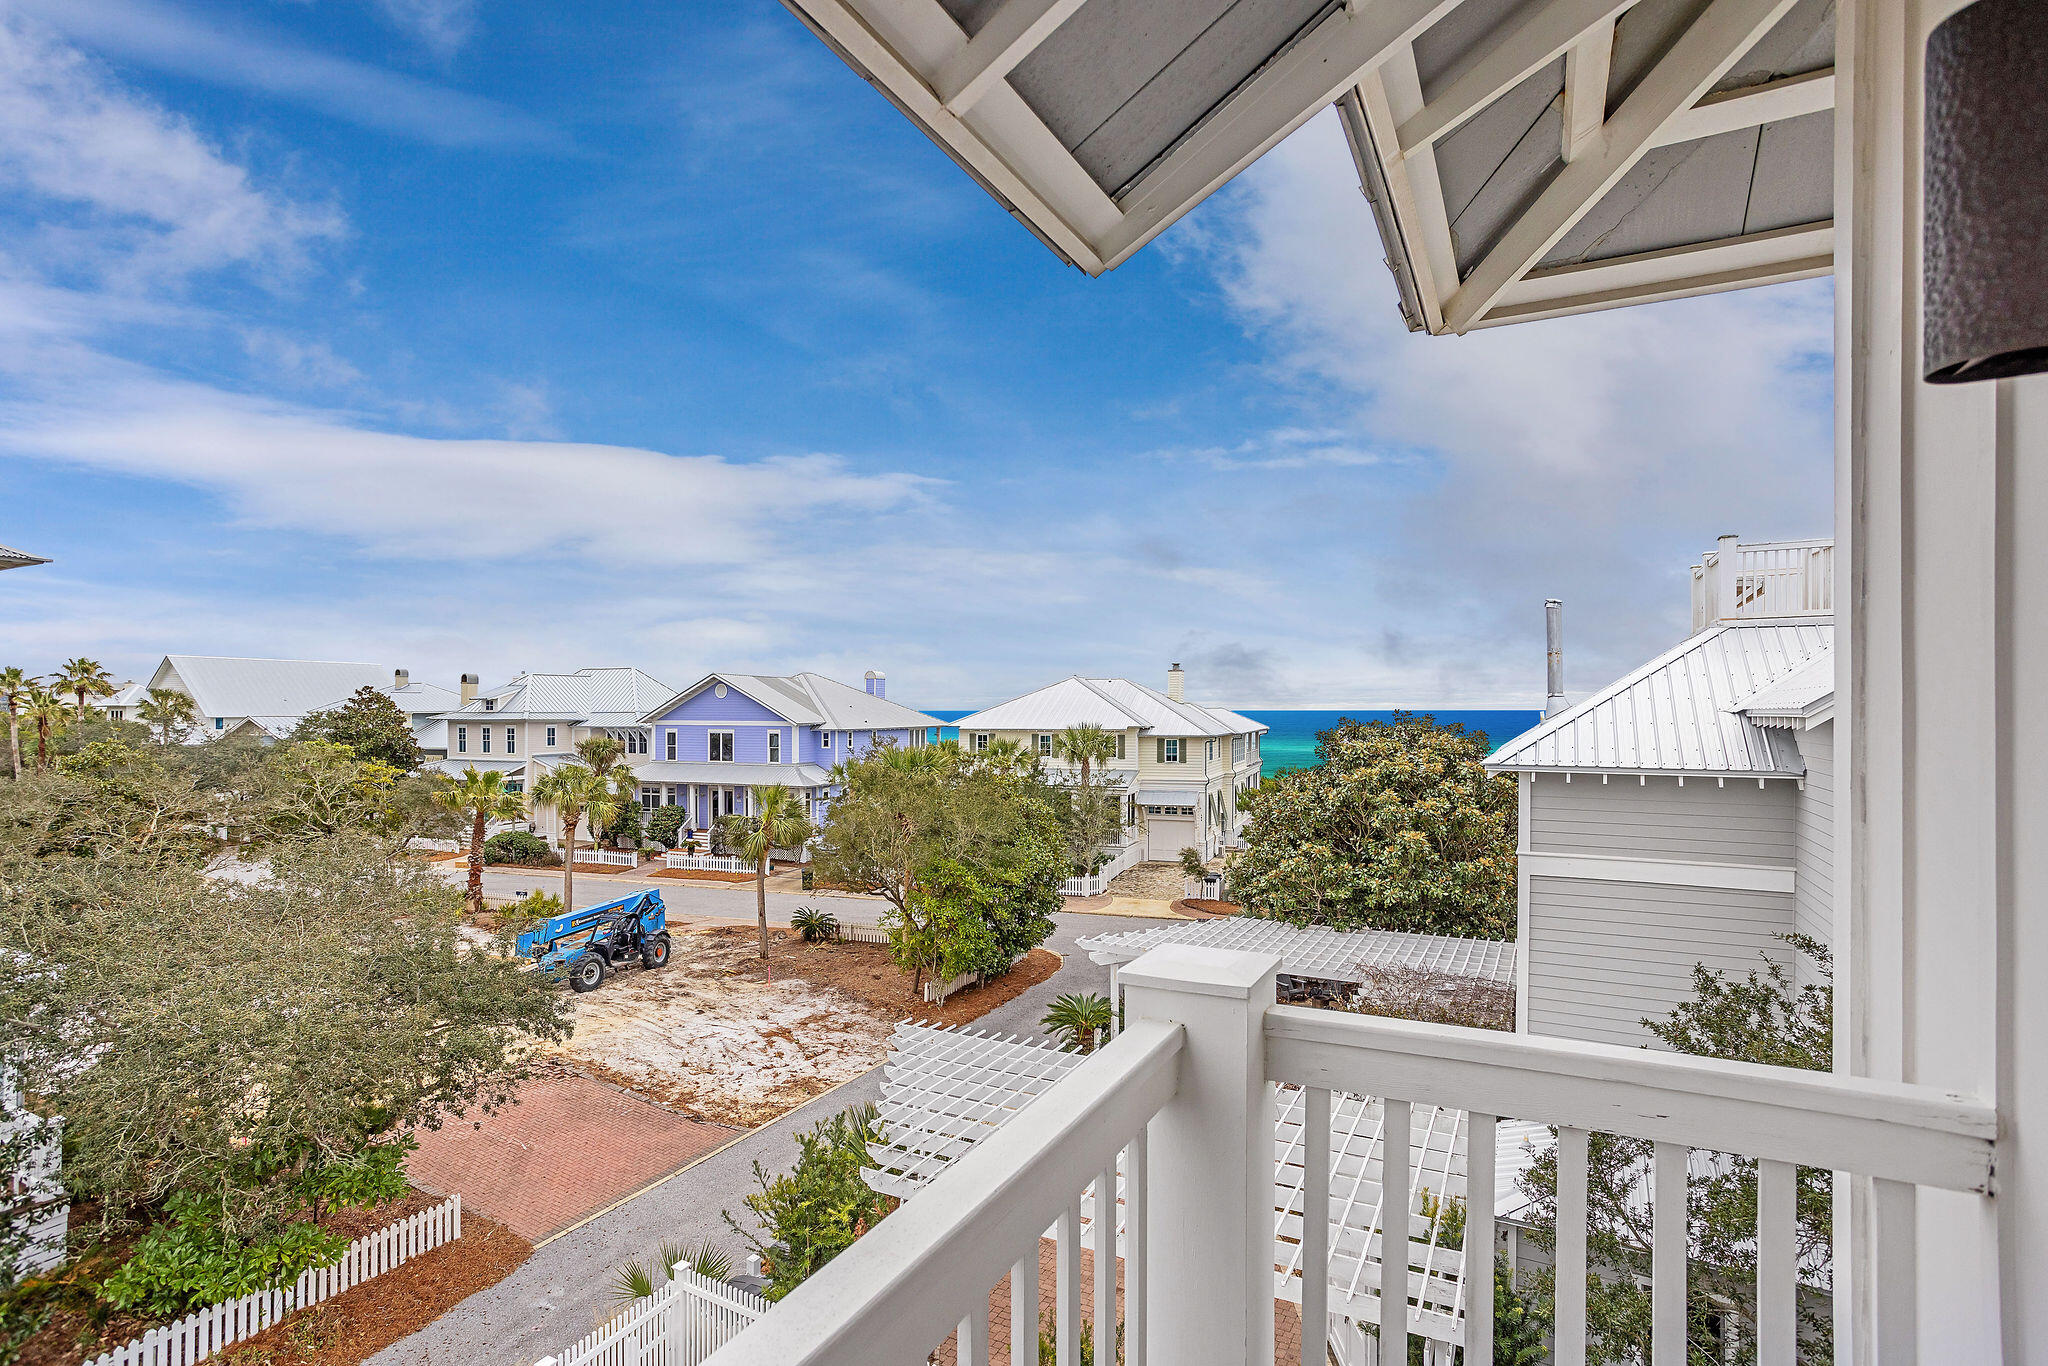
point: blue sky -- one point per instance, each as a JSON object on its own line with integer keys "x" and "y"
{"x": 483, "y": 337}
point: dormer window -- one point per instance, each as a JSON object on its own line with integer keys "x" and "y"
{"x": 490, "y": 704}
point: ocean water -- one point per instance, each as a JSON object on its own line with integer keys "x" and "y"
{"x": 1291, "y": 743}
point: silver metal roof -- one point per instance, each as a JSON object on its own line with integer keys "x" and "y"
{"x": 1315, "y": 951}
{"x": 269, "y": 688}
{"x": 807, "y": 699}
{"x": 18, "y": 559}
{"x": 1525, "y": 158}
{"x": 1807, "y": 694}
{"x": 1112, "y": 703}
{"x": 1675, "y": 714}
{"x": 612, "y": 696}
{"x": 730, "y": 775}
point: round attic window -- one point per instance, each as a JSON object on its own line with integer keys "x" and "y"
{"x": 718, "y": 689}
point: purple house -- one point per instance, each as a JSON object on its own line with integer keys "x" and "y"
{"x": 728, "y": 733}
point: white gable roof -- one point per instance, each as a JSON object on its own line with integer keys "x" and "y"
{"x": 1807, "y": 694}
{"x": 809, "y": 699}
{"x": 615, "y": 696}
{"x": 1113, "y": 703}
{"x": 269, "y": 688}
{"x": 1675, "y": 714}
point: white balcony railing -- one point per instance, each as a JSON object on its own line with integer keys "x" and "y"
{"x": 1096, "y": 883}
{"x": 1179, "y": 1105}
{"x": 1789, "y": 579}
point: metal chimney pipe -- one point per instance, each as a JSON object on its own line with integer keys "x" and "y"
{"x": 1553, "y": 630}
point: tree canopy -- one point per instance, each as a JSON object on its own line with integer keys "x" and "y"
{"x": 369, "y": 723}
{"x": 1398, "y": 827}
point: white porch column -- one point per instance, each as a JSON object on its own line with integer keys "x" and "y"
{"x": 1209, "y": 1206}
{"x": 1942, "y": 863}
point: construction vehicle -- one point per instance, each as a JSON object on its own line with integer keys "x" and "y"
{"x": 584, "y": 946}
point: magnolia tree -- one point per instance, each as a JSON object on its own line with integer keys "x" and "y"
{"x": 1398, "y": 826}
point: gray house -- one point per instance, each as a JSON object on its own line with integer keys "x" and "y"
{"x": 1684, "y": 813}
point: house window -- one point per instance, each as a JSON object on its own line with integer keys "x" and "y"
{"x": 636, "y": 742}
{"x": 487, "y": 739}
{"x": 1119, "y": 744}
{"x": 1210, "y": 757}
{"x": 1169, "y": 751}
{"x": 551, "y": 737}
{"x": 1045, "y": 745}
{"x": 824, "y": 739}
{"x": 220, "y": 723}
{"x": 718, "y": 745}
{"x": 511, "y": 740}
{"x": 650, "y": 799}
{"x": 668, "y": 744}
{"x": 490, "y": 704}
{"x": 981, "y": 742}
{"x": 462, "y": 739}
{"x": 774, "y": 746}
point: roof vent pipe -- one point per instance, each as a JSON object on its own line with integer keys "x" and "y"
{"x": 468, "y": 689}
{"x": 1553, "y": 631}
{"x": 1176, "y": 683}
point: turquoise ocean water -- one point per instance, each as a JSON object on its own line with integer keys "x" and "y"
{"x": 1291, "y": 743}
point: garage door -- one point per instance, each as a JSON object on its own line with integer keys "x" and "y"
{"x": 1166, "y": 836}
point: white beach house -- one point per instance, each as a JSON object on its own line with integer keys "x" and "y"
{"x": 1523, "y": 161}
{"x": 1684, "y": 813}
{"x": 262, "y": 697}
{"x": 1180, "y": 765}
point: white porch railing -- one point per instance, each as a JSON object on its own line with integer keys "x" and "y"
{"x": 686, "y": 1320}
{"x": 709, "y": 863}
{"x": 1184, "y": 1093}
{"x": 1764, "y": 579}
{"x": 1096, "y": 883}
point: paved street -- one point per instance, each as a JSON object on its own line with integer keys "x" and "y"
{"x": 558, "y": 1295}
{"x": 680, "y": 896}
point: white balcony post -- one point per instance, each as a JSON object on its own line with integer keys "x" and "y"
{"x": 1209, "y": 1209}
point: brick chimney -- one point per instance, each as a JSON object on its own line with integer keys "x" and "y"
{"x": 1176, "y": 683}
{"x": 877, "y": 683}
{"x": 468, "y": 689}
{"x": 400, "y": 678}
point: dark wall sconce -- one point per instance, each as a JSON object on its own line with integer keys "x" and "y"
{"x": 1985, "y": 299}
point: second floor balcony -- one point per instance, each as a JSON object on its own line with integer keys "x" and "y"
{"x": 1739, "y": 581}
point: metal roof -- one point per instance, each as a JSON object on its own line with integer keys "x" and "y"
{"x": 807, "y": 699}
{"x": 613, "y": 696}
{"x": 272, "y": 688}
{"x": 1524, "y": 158}
{"x": 1674, "y": 714}
{"x": 1112, "y": 703}
{"x": 730, "y": 775}
{"x": 1315, "y": 951}
{"x": 18, "y": 559}
{"x": 945, "y": 1090}
{"x": 1806, "y": 695}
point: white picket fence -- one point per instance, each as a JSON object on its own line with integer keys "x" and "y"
{"x": 709, "y": 863}
{"x": 1095, "y": 884}
{"x": 218, "y": 1327}
{"x": 615, "y": 858}
{"x": 931, "y": 988}
{"x": 680, "y": 1324}
{"x": 864, "y": 934}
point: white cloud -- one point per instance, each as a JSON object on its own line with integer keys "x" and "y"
{"x": 441, "y": 26}
{"x": 142, "y": 194}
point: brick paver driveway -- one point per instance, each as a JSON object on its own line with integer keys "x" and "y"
{"x": 570, "y": 1147}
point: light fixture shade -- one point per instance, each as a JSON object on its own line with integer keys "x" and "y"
{"x": 1985, "y": 299}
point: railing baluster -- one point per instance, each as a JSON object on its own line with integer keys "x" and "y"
{"x": 1777, "y": 1264}
{"x": 1569, "y": 1326}
{"x": 1896, "y": 1207}
{"x": 971, "y": 1347}
{"x": 1024, "y": 1309}
{"x": 1134, "y": 1251}
{"x": 1477, "y": 1276}
{"x": 1397, "y": 1134}
{"x": 1667, "y": 1257}
{"x": 1105, "y": 1264}
{"x": 1066, "y": 1306}
{"x": 1315, "y": 1227}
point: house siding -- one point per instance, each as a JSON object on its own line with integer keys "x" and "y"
{"x": 1702, "y": 821}
{"x": 1602, "y": 956}
{"x": 1814, "y": 828}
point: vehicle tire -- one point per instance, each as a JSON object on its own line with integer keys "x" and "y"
{"x": 587, "y": 972}
{"x": 654, "y": 953}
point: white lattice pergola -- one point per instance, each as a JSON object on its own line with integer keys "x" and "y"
{"x": 1312, "y": 951}
{"x": 944, "y": 1090}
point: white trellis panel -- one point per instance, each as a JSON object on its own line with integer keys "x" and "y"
{"x": 1313, "y": 951}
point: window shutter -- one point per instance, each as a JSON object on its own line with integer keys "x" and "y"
{"x": 1161, "y": 750}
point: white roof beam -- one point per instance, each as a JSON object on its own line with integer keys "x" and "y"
{"x": 1291, "y": 89}
{"x": 1770, "y": 102}
{"x": 1011, "y": 34}
{"x": 1586, "y": 68}
{"x": 1765, "y": 258}
{"x": 1702, "y": 55}
{"x": 1518, "y": 53}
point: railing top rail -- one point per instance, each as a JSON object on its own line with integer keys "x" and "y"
{"x": 876, "y": 1305}
{"x": 1873, "y": 1128}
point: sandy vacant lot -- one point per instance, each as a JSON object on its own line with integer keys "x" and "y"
{"x": 705, "y": 1036}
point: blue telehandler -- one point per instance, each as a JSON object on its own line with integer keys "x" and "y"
{"x": 585, "y": 945}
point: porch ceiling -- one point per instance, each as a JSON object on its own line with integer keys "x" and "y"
{"x": 1525, "y": 158}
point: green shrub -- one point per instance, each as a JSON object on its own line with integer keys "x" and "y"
{"x": 517, "y": 846}
{"x": 1191, "y": 862}
{"x": 815, "y": 1211}
{"x": 370, "y": 1177}
{"x": 1077, "y": 1020}
{"x": 666, "y": 825}
{"x": 189, "y": 1261}
{"x": 529, "y": 910}
{"x": 815, "y": 923}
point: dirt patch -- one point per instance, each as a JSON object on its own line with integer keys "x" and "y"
{"x": 357, "y": 1324}
{"x": 700, "y": 875}
{"x": 1200, "y": 908}
{"x": 866, "y": 972}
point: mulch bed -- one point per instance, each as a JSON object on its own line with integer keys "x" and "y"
{"x": 864, "y": 971}
{"x": 1201, "y": 908}
{"x": 700, "y": 875}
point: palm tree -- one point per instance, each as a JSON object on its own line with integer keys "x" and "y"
{"x": 604, "y": 754}
{"x": 84, "y": 677}
{"x": 776, "y": 822}
{"x": 483, "y": 798}
{"x": 44, "y": 708}
{"x": 1085, "y": 745}
{"x": 575, "y": 791}
{"x": 166, "y": 711}
{"x": 14, "y": 686}
{"x": 1077, "y": 1021}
